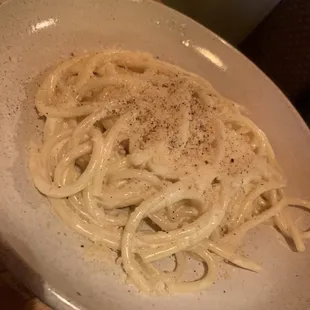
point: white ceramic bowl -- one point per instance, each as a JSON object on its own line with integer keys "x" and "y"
{"x": 36, "y": 245}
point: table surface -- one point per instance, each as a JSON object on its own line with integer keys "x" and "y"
{"x": 14, "y": 296}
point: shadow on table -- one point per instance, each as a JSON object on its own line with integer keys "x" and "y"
{"x": 13, "y": 295}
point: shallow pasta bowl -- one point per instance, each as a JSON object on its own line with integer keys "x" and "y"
{"x": 35, "y": 244}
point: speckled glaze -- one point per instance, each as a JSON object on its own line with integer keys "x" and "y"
{"x": 47, "y": 256}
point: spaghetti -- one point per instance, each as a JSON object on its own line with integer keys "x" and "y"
{"x": 151, "y": 161}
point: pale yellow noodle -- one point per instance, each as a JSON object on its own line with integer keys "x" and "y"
{"x": 150, "y": 161}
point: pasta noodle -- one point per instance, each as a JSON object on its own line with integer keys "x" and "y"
{"x": 151, "y": 161}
